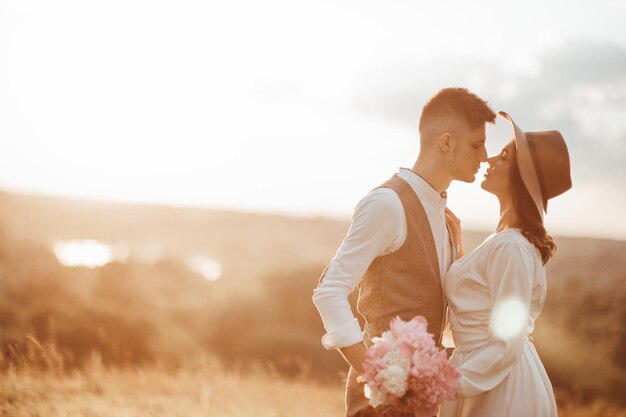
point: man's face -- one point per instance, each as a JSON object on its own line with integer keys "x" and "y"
{"x": 467, "y": 153}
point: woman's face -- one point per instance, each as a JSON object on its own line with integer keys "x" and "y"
{"x": 497, "y": 177}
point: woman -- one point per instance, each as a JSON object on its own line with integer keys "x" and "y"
{"x": 497, "y": 291}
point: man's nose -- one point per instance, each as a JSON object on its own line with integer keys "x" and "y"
{"x": 483, "y": 155}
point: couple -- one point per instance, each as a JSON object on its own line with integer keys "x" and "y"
{"x": 403, "y": 251}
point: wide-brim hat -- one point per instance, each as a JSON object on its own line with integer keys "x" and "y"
{"x": 543, "y": 162}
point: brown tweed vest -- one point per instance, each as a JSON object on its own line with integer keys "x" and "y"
{"x": 404, "y": 283}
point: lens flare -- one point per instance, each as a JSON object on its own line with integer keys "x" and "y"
{"x": 90, "y": 253}
{"x": 207, "y": 267}
{"x": 508, "y": 318}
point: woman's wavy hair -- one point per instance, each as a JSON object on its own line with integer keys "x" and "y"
{"x": 528, "y": 218}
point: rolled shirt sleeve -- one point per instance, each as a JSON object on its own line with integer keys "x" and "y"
{"x": 510, "y": 275}
{"x": 378, "y": 227}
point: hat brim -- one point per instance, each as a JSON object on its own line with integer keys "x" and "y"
{"x": 526, "y": 165}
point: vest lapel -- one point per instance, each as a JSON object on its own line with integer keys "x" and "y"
{"x": 425, "y": 231}
{"x": 453, "y": 224}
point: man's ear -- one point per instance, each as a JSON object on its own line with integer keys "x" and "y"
{"x": 445, "y": 142}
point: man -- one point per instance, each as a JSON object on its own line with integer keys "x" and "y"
{"x": 402, "y": 239}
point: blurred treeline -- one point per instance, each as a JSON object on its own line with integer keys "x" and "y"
{"x": 159, "y": 313}
{"x": 135, "y": 314}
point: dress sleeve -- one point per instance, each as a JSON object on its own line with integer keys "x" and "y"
{"x": 509, "y": 273}
{"x": 376, "y": 229}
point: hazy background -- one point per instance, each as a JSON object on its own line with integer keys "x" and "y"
{"x": 301, "y": 107}
{"x": 174, "y": 176}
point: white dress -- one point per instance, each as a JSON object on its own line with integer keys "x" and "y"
{"x": 496, "y": 292}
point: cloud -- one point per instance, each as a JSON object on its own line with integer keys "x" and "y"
{"x": 578, "y": 88}
{"x": 581, "y": 90}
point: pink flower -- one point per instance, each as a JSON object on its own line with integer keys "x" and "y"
{"x": 404, "y": 369}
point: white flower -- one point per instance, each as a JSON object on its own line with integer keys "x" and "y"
{"x": 393, "y": 357}
{"x": 394, "y": 380}
{"x": 376, "y": 397}
{"x": 387, "y": 337}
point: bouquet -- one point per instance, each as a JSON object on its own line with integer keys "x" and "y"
{"x": 404, "y": 369}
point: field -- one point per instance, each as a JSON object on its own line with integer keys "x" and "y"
{"x": 132, "y": 337}
{"x": 97, "y": 393}
{"x": 156, "y": 393}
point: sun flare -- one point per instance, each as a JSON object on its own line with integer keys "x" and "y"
{"x": 205, "y": 266}
{"x": 90, "y": 253}
{"x": 509, "y": 318}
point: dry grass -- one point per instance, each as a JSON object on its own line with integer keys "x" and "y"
{"x": 211, "y": 392}
{"x": 157, "y": 393}
{"x": 138, "y": 314}
{"x": 569, "y": 406}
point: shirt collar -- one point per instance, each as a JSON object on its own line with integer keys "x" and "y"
{"x": 423, "y": 189}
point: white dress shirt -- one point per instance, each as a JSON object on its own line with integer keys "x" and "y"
{"x": 378, "y": 228}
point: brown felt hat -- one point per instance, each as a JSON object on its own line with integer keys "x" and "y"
{"x": 543, "y": 162}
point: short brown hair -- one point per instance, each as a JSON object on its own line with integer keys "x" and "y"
{"x": 456, "y": 102}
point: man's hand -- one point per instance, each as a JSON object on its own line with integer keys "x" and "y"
{"x": 355, "y": 355}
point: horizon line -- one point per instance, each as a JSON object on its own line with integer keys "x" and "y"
{"x": 241, "y": 210}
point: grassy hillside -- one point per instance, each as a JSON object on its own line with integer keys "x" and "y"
{"x": 248, "y": 245}
{"x": 203, "y": 391}
{"x": 158, "y": 313}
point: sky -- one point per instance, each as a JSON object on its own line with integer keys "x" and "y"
{"x": 302, "y": 107}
